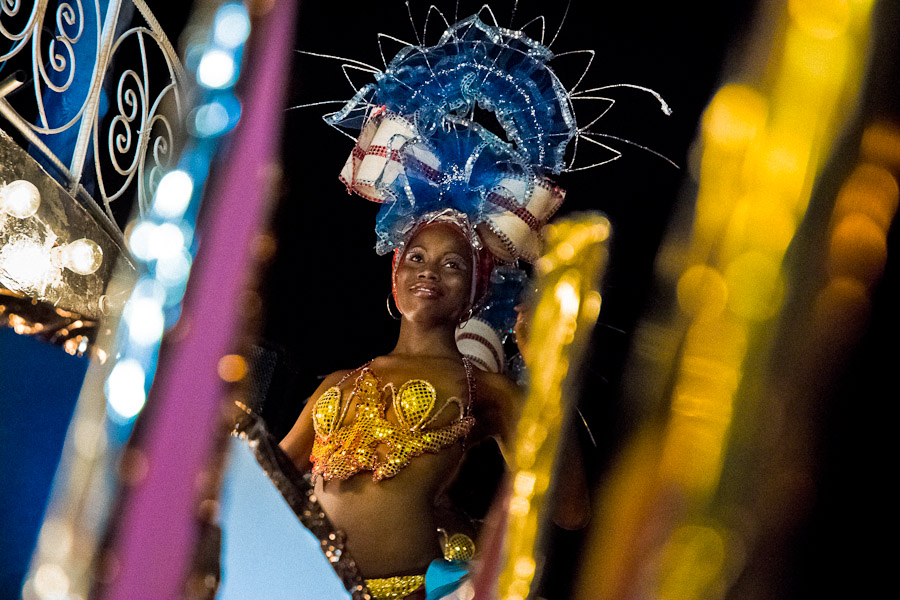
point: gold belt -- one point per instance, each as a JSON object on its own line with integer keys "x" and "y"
{"x": 456, "y": 547}
{"x": 391, "y": 588}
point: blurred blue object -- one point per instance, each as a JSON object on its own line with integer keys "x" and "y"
{"x": 39, "y": 384}
{"x": 264, "y": 545}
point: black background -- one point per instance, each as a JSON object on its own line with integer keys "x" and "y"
{"x": 325, "y": 290}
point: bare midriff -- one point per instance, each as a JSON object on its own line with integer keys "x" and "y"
{"x": 390, "y": 525}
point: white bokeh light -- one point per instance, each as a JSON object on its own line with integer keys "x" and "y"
{"x": 148, "y": 287}
{"x": 211, "y": 119}
{"x": 173, "y": 194}
{"x": 125, "y": 393}
{"x": 173, "y": 270}
{"x": 232, "y": 25}
{"x": 139, "y": 240}
{"x": 145, "y": 320}
{"x": 165, "y": 241}
{"x": 217, "y": 69}
{"x": 51, "y": 582}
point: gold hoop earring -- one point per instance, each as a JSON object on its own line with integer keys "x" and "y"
{"x": 468, "y": 316}
{"x": 388, "y": 303}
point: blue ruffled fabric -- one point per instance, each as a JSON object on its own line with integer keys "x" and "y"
{"x": 505, "y": 294}
{"x": 446, "y": 92}
{"x": 443, "y": 577}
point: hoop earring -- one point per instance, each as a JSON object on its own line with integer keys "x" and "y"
{"x": 388, "y": 303}
{"x": 463, "y": 322}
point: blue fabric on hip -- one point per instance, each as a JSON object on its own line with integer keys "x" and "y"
{"x": 444, "y": 576}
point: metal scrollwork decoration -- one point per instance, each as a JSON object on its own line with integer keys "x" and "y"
{"x": 61, "y": 51}
{"x": 75, "y": 57}
{"x": 10, "y": 9}
{"x": 161, "y": 154}
{"x": 140, "y": 134}
{"x": 53, "y": 63}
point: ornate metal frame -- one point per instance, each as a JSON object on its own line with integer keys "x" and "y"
{"x": 130, "y": 145}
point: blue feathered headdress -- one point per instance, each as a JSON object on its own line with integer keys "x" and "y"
{"x": 476, "y": 124}
{"x": 423, "y": 144}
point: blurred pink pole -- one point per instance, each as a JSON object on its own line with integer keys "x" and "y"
{"x": 155, "y": 530}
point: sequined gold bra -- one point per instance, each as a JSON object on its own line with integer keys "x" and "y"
{"x": 339, "y": 452}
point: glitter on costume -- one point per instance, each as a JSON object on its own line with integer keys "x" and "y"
{"x": 339, "y": 452}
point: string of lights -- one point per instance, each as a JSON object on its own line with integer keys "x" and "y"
{"x": 163, "y": 241}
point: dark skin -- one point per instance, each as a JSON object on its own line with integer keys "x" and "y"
{"x": 391, "y": 524}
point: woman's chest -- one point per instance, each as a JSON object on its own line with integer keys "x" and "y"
{"x": 378, "y": 428}
{"x": 374, "y": 406}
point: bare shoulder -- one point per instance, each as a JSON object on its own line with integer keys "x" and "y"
{"x": 496, "y": 387}
{"x": 331, "y": 380}
{"x": 497, "y": 403}
{"x": 297, "y": 444}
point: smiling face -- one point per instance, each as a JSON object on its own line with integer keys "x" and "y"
{"x": 434, "y": 276}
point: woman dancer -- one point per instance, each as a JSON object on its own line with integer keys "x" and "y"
{"x": 383, "y": 440}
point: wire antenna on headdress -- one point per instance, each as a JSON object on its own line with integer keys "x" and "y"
{"x": 433, "y": 8}
{"x": 422, "y": 146}
{"x": 344, "y": 119}
{"x": 512, "y": 13}
{"x": 561, "y": 23}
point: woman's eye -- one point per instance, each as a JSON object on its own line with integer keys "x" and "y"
{"x": 452, "y": 264}
{"x": 414, "y": 257}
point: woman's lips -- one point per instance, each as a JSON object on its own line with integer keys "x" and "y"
{"x": 425, "y": 290}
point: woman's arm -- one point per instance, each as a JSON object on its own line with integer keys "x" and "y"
{"x": 570, "y": 499}
{"x": 497, "y": 410}
{"x": 298, "y": 443}
{"x": 570, "y": 496}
